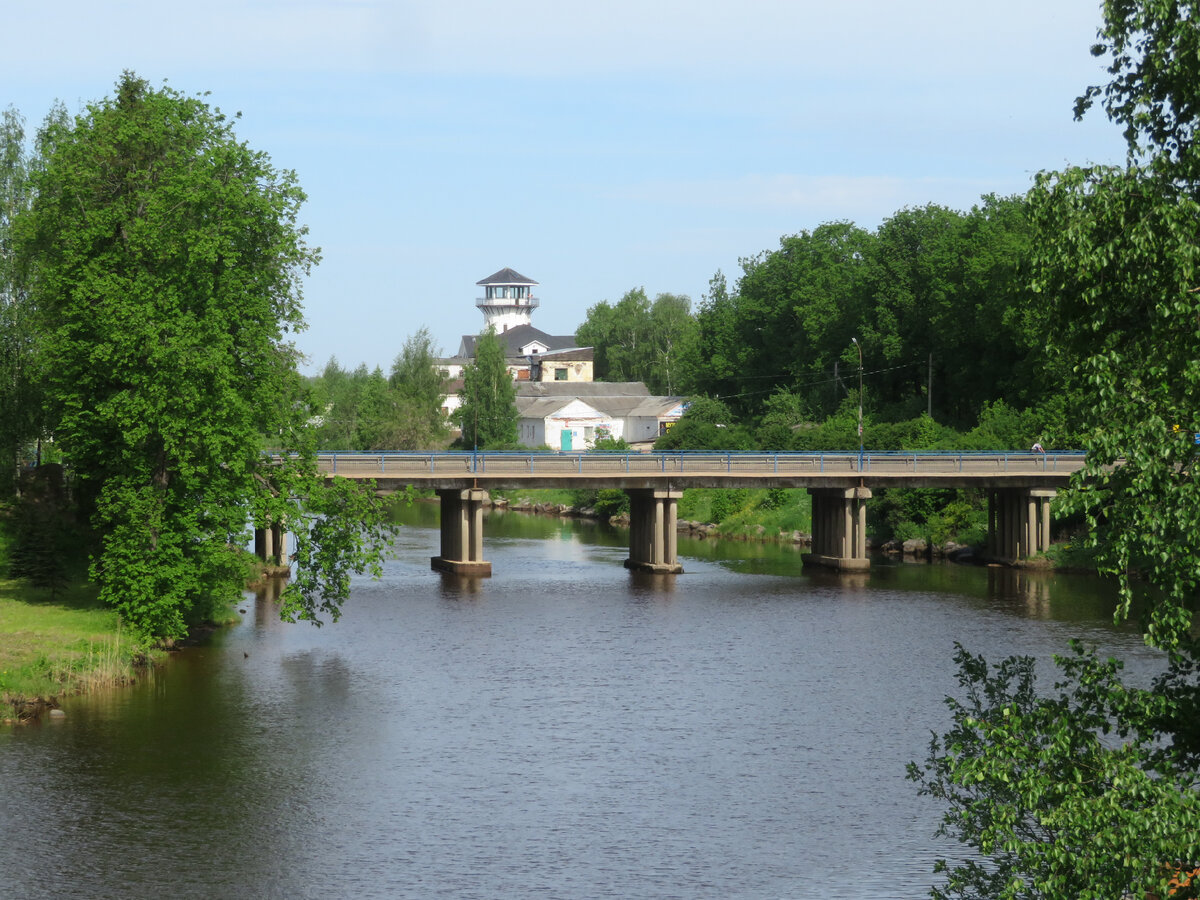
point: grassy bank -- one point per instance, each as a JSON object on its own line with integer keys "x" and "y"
{"x": 58, "y": 643}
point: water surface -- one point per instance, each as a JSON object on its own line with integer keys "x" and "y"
{"x": 562, "y": 729}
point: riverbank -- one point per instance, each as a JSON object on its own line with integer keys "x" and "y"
{"x": 55, "y": 643}
{"x": 61, "y": 642}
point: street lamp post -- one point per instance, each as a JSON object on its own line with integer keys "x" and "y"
{"x": 858, "y": 346}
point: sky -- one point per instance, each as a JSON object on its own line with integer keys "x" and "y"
{"x": 592, "y": 147}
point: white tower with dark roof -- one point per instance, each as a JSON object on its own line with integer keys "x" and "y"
{"x": 507, "y": 300}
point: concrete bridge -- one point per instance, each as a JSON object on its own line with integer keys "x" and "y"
{"x": 1020, "y": 486}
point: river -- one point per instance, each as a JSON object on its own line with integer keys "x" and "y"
{"x": 563, "y": 729}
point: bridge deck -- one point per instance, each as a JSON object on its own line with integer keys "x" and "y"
{"x": 704, "y": 469}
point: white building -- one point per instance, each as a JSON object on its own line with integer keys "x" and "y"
{"x": 572, "y": 417}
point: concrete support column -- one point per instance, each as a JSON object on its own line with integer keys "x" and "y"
{"x": 653, "y": 538}
{"x": 268, "y": 544}
{"x": 839, "y": 528}
{"x": 279, "y": 541}
{"x": 262, "y": 540}
{"x": 1029, "y": 527}
{"x": 462, "y": 533}
{"x": 992, "y": 513}
{"x": 1039, "y": 501}
{"x": 1018, "y": 523}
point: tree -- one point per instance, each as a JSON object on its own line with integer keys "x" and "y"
{"x": 620, "y": 334}
{"x": 1153, "y": 51}
{"x": 706, "y": 424}
{"x": 1072, "y": 795}
{"x": 672, "y": 339}
{"x": 419, "y": 387}
{"x": 944, "y": 286}
{"x": 488, "y": 414}
{"x": 165, "y": 261}
{"x": 1094, "y": 793}
{"x": 788, "y": 321}
{"x": 21, "y": 418}
{"x": 1119, "y": 264}
{"x": 640, "y": 340}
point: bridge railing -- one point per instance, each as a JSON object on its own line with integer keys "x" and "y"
{"x": 696, "y": 462}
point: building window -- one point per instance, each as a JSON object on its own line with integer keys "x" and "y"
{"x": 560, "y": 374}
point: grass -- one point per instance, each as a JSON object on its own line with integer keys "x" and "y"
{"x": 65, "y": 643}
{"x": 755, "y": 513}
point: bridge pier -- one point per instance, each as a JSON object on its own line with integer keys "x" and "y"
{"x": 653, "y": 532}
{"x": 270, "y": 544}
{"x": 462, "y": 533}
{"x": 839, "y": 517}
{"x": 1018, "y": 523}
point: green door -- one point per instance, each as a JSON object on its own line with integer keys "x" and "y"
{"x": 567, "y": 434}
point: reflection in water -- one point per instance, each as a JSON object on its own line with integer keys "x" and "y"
{"x": 455, "y": 586}
{"x": 656, "y": 583}
{"x": 565, "y": 728}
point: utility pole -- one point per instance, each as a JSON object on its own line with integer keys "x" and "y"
{"x": 854, "y": 340}
{"x": 929, "y": 391}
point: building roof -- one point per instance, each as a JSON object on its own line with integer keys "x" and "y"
{"x": 506, "y": 276}
{"x": 622, "y": 399}
{"x": 582, "y": 389}
{"x": 657, "y": 406}
{"x": 515, "y": 338}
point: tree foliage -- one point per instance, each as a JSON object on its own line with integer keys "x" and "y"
{"x": 1094, "y": 792}
{"x": 930, "y": 289}
{"x": 639, "y": 340}
{"x": 21, "y": 403}
{"x": 420, "y": 389}
{"x": 1151, "y": 48}
{"x": 364, "y": 410}
{"x": 488, "y": 414}
{"x": 1069, "y": 795}
{"x": 706, "y": 424}
{"x": 1118, "y": 264}
{"x": 165, "y": 262}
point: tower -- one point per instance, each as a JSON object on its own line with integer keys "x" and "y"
{"x": 507, "y": 300}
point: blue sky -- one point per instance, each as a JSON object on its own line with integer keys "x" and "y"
{"x": 592, "y": 147}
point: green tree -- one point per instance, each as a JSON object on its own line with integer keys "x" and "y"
{"x": 672, "y": 340}
{"x": 419, "y": 387}
{"x": 21, "y": 418}
{"x": 706, "y": 424}
{"x": 335, "y": 408}
{"x": 788, "y": 322}
{"x": 639, "y": 340}
{"x": 1056, "y": 802}
{"x": 165, "y": 260}
{"x": 944, "y": 288}
{"x": 1070, "y": 795}
{"x": 1119, "y": 264}
{"x": 488, "y": 414}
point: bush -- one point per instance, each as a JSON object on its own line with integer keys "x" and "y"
{"x": 958, "y": 521}
{"x": 728, "y": 503}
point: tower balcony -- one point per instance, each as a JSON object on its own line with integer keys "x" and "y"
{"x": 508, "y": 302}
